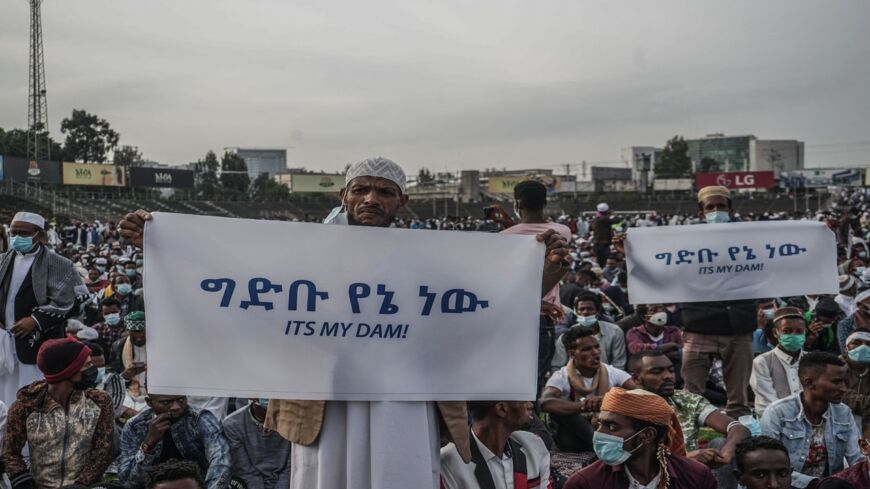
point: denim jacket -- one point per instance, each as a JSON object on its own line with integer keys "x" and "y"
{"x": 198, "y": 437}
{"x": 784, "y": 420}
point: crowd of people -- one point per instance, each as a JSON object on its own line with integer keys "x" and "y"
{"x": 763, "y": 393}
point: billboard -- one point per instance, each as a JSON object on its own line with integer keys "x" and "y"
{"x": 737, "y": 179}
{"x": 93, "y": 174}
{"x": 506, "y": 184}
{"x": 313, "y": 182}
{"x": 161, "y": 177}
{"x": 672, "y": 184}
{"x": 829, "y": 177}
{"x": 23, "y": 170}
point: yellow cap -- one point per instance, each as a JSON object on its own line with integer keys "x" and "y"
{"x": 713, "y": 190}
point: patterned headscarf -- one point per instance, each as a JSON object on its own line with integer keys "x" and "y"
{"x": 135, "y": 321}
{"x": 377, "y": 167}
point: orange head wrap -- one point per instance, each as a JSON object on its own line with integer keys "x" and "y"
{"x": 646, "y": 406}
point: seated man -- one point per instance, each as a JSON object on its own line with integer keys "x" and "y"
{"x": 66, "y": 425}
{"x": 180, "y": 474}
{"x": 260, "y": 457}
{"x": 168, "y": 429}
{"x": 859, "y": 474}
{"x": 654, "y": 372}
{"x": 775, "y": 373}
{"x": 639, "y": 445}
{"x": 822, "y": 334}
{"x": 574, "y": 392}
{"x": 857, "y": 360}
{"x": 656, "y": 334}
{"x": 817, "y": 430}
{"x": 762, "y": 463}
{"x": 610, "y": 336}
{"x": 501, "y": 454}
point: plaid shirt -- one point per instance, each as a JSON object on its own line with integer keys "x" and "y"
{"x": 108, "y": 334}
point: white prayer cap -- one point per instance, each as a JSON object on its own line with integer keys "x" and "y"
{"x": 603, "y": 207}
{"x": 377, "y": 167}
{"x": 31, "y": 218}
{"x": 862, "y": 296}
{"x": 74, "y": 325}
{"x": 88, "y": 334}
{"x": 858, "y": 335}
{"x": 846, "y": 282}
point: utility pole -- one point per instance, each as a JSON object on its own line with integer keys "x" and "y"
{"x": 38, "y": 147}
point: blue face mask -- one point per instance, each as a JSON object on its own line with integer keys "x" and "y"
{"x": 768, "y": 314}
{"x": 112, "y": 319}
{"x": 124, "y": 289}
{"x": 610, "y": 449}
{"x": 751, "y": 423}
{"x": 264, "y": 403}
{"x": 860, "y": 354}
{"x": 587, "y": 321}
{"x": 717, "y": 217}
{"x": 21, "y": 244}
{"x": 101, "y": 375}
{"x": 130, "y": 272}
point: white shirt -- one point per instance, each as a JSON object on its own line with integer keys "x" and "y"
{"x": 559, "y": 379}
{"x": 634, "y": 484}
{"x": 762, "y": 381}
{"x": 20, "y": 269}
{"x": 501, "y": 468}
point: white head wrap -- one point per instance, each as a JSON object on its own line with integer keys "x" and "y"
{"x": 377, "y": 167}
{"x": 863, "y": 295}
{"x": 603, "y": 207}
{"x": 846, "y": 282}
{"x": 88, "y": 334}
{"x": 858, "y": 335}
{"x": 30, "y": 217}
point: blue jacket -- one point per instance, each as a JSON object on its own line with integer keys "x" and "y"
{"x": 198, "y": 437}
{"x": 785, "y": 421}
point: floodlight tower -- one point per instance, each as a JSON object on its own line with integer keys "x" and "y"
{"x": 38, "y": 147}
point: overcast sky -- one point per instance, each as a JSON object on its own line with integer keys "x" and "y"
{"x": 446, "y": 85}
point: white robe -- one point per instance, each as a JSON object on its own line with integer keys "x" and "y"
{"x": 21, "y": 374}
{"x": 371, "y": 445}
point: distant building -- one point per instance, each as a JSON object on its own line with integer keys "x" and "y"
{"x": 612, "y": 179}
{"x": 262, "y": 160}
{"x": 718, "y": 152}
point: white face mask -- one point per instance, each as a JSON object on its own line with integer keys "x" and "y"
{"x": 659, "y": 319}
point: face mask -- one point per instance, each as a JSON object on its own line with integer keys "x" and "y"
{"x": 768, "y": 314}
{"x": 717, "y": 217}
{"x": 792, "y": 342}
{"x": 101, "y": 375}
{"x": 113, "y": 319}
{"x": 586, "y": 321}
{"x": 751, "y": 424}
{"x": 101, "y": 268}
{"x": 659, "y": 318}
{"x": 124, "y": 289}
{"x": 610, "y": 449}
{"x": 859, "y": 270}
{"x": 862, "y": 254}
{"x": 264, "y": 403}
{"x": 139, "y": 263}
{"x": 89, "y": 379}
{"x": 21, "y": 244}
{"x": 130, "y": 272}
{"x": 860, "y": 354}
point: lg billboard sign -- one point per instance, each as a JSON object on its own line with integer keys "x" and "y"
{"x": 735, "y": 180}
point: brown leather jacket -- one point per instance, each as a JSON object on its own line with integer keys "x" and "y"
{"x": 300, "y": 422}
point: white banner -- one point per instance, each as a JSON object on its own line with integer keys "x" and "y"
{"x": 717, "y": 262}
{"x": 250, "y": 309}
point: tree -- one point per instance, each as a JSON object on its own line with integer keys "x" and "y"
{"x": 14, "y": 143}
{"x": 709, "y": 164}
{"x": 128, "y": 156}
{"x": 88, "y": 138}
{"x": 207, "y": 183}
{"x": 267, "y": 189}
{"x": 234, "y": 174}
{"x": 424, "y": 176}
{"x": 674, "y": 161}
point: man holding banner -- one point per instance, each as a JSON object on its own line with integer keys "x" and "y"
{"x": 718, "y": 272}
{"x": 368, "y": 444}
